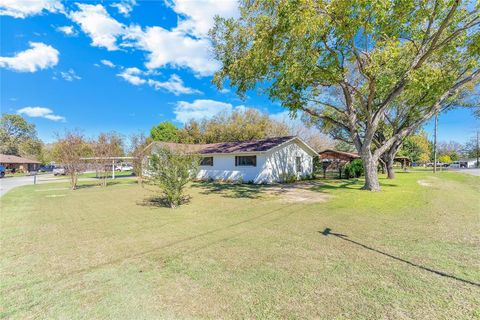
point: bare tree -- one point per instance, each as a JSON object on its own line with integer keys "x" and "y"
{"x": 138, "y": 143}
{"x": 107, "y": 146}
{"x": 68, "y": 151}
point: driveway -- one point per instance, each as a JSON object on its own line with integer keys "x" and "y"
{"x": 8, "y": 183}
{"x": 473, "y": 172}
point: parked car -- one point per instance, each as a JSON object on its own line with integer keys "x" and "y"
{"x": 127, "y": 167}
{"x": 124, "y": 167}
{"x": 2, "y": 171}
{"x": 47, "y": 168}
{"x": 59, "y": 171}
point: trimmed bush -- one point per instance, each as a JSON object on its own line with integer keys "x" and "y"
{"x": 353, "y": 169}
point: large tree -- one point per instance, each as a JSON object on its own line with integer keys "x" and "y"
{"x": 417, "y": 148}
{"x": 164, "y": 131}
{"x": 239, "y": 125}
{"x": 18, "y": 137}
{"x": 348, "y": 63}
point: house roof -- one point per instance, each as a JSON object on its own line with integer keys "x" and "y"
{"x": 5, "y": 158}
{"x": 250, "y": 146}
{"x": 342, "y": 155}
{"x": 349, "y": 156}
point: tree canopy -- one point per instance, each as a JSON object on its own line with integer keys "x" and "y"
{"x": 351, "y": 64}
{"x": 239, "y": 125}
{"x": 164, "y": 131}
{"x": 18, "y": 137}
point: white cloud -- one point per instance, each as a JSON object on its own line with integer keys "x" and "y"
{"x": 131, "y": 75}
{"x": 174, "y": 85}
{"x": 67, "y": 30}
{"x": 70, "y": 75}
{"x": 39, "y": 56}
{"x": 172, "y": 48}
{"x": 124, "y": 7}
{"x": 185, "y": 46}
{"x": 98, "y": 24}
{"x": 199, "y": 109}
{"x": 198, "y": 15}
{"x": 108, "y": 63}
{"x": 25, "y": 8}
{"x": 40, "y": 112}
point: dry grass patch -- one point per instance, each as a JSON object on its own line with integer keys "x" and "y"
{"x": 240, "y": 252}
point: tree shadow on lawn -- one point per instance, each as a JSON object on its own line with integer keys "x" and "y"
{"x": 87, "y": 185}
{"x": 344, "y": 237}
{"x": 161, "y": 202}
{"x": 256, "y": 191}
{"x": 232, "y": 190}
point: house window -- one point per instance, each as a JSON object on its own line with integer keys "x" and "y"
{"x": 246, "y": 161}
{"x": 207, "y": 161}
{"x": 298, "y": 164}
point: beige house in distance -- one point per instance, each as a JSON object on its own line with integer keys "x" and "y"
{"x": 18, "y": 164}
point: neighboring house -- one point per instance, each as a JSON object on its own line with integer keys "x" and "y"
{"x": 465, "y": 163}
{"x": 18, "y": 164}
{"x": 259, "y": 161}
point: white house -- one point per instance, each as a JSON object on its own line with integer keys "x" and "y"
{"x": 259, "y": 161}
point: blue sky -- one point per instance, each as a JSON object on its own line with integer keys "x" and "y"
{"x": 124, "y": 65}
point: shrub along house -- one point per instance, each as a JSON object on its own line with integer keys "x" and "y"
{"x": 259, "y": 161}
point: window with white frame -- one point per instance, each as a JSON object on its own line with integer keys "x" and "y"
{"x": 246, "y": 161}
{"x": 207, "y": 161}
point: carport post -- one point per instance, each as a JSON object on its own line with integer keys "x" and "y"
{"x": 113, "y": 169}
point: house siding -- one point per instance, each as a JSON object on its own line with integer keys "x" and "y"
{"x": 269, "y": 169}
{"x": 224, "y": 169}
{"x": 281, "y": 161}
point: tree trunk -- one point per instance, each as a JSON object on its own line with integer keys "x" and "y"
{"x": 389, "y": 159}
{"x": 370, "y": 165}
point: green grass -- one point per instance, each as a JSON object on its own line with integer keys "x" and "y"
{"x": 241, "y": 252}
{"x": 117, "y": 174}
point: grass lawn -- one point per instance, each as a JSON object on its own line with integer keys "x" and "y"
{"x": 117, "y": 174}
{"x": 410, "y": 251}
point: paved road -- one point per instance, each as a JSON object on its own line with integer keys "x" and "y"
{"x": 473, "y": 172}
{"x": 8, "y": 183}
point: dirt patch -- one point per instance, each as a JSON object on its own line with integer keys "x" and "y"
{"x": 298, "y": 193}
{"x": 424, "y": 183}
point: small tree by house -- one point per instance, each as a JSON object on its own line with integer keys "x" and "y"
{"x": 68, "y": 151}
{"x": 171, "y": 171}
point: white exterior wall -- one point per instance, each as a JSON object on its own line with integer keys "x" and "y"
{"x": 224, "y": 169}
{"x": 281, "y": 161}
{"x": 269, "y": 169}
{"x": 472, "y": 163}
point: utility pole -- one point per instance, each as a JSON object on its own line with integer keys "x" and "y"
{"x": 435, "y": 144}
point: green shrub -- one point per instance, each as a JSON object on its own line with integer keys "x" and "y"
{"x": 171, "y": 171}
{"x": 353, "y": 169}
{"x": 287, "y": 177}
